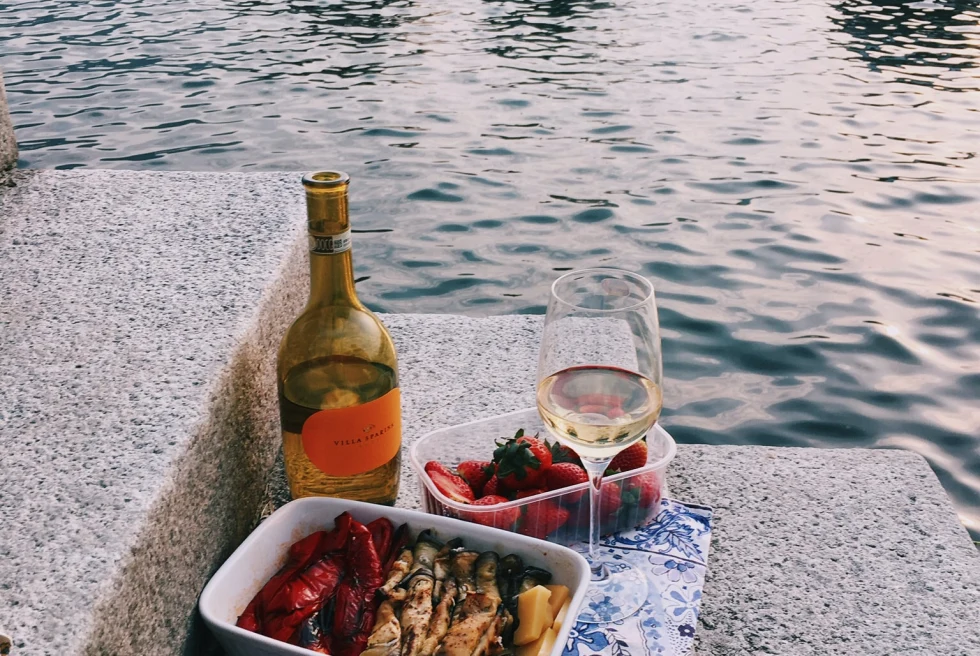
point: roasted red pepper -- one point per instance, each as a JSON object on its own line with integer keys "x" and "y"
{"x": 381, "y": 530}
{"x": 323, "y": 598}
{"x": 311, "y": 635}
{"x": 398, "y": 542}
{"x": 299, "y": 558}
{"x": 273, "y": 600}
{"x": 303, "y": 597}
{"x": 301, "y": 555}
{"x": 354, "y": 613}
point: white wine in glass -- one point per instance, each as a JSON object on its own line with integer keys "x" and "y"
{"x": 597, "y": 424}
{"x": 599, "y": 391}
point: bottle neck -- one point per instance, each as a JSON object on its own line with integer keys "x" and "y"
{"x": 332, "y": 279}
{"x": 331, "y": 264}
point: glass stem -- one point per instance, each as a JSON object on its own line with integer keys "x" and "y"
{"x": 596, "y": 469}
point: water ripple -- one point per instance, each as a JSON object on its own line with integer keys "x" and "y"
{"x": 799, "y": 179}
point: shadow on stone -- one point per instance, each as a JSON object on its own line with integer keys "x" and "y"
{"x": 213, "y": 500}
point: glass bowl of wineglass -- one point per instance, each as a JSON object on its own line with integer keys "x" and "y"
{"x": 599, "y": 390}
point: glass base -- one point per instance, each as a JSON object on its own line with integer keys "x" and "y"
{"x": 615, "y": 592}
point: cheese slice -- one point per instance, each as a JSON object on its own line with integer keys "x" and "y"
{"x": 562, "y": 614}
{"x": 532, "y": 648}
{"x": 547, "y": 642}
{"x": 559, "y": 594}
{"x": 534, "y": 615}
{"x": 540, "y": 647}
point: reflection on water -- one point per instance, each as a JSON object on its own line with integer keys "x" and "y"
{"x": 930, "y": 42}
{"x": 799, "y": 179}
{"x": 537, "y": 29}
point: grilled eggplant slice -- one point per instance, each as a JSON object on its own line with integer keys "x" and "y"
{"x": 385, "y": 638}
{"x": 533, "y": 576}
{"x": 417, "y": 611}
{"x": 442, "y": 615}
{"x": 441, "y": 567}
{"x": 508, "y": 625}
{"x": 427, "y": 546}
{"x": 491, "y": 640}
{"x": 475, "y": 614}
{"x": 399, "y": 570}
{"x": 486, "y": 573}
{"x": 462, "y": 566}
{"x": 509, "y": 574}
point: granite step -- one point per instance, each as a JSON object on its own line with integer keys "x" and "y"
{"x": 139, "y": 317}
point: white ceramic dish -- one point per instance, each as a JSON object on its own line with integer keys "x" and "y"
{"x": 264, "y": 552}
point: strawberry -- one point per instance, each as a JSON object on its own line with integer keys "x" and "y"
{"x": 640, "y": 497}
{"x": 476, "y": 473}
{"x": 543, "y": 518}
{"x": 505, "y": 518}
{"x": 523, "y": 494}
{"x": 608, "y": 509}
{"x": 647, "y": 487}
{"x": 561, "y": 453}
{"x": 449, "y": 483}
{"x": 492, "y": 488}
{"x": 566, "y": 474}
{"x": 611, "y": 500}
{"x": 632, "y": 457}
{"x": 521, "y": 461}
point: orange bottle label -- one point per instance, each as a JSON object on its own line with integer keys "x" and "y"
{"x": 349, "y": 441}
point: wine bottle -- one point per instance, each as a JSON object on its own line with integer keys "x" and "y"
{"x": 339, "y": 401}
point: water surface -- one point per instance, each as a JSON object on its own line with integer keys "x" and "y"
{"x": 798, "y": 178}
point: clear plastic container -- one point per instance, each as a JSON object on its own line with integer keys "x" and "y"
{"x": 630, "y": 498}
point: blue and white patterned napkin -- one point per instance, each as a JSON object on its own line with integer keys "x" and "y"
{"x": 673, "y": 552}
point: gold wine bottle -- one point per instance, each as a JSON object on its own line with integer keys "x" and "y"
{"x": 339, "y": 401}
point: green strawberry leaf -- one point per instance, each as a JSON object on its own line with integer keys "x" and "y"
{"x": 514, "y": 458}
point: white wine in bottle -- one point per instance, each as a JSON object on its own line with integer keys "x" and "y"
{"x": 339, "y": 401}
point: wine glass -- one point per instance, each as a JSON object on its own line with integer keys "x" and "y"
{"x": 599, "y": 391}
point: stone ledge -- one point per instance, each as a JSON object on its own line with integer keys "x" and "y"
{"x": 140, "y": 314}
{"x": 830, "y": 552}
{"x": 8, "y": 143}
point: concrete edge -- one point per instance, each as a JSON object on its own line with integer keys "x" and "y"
{"x": 212, "y": 499}
{"x": 10, "y": 181}
{"x": 684, "y": 488}
{"x": 925, "y": 523}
